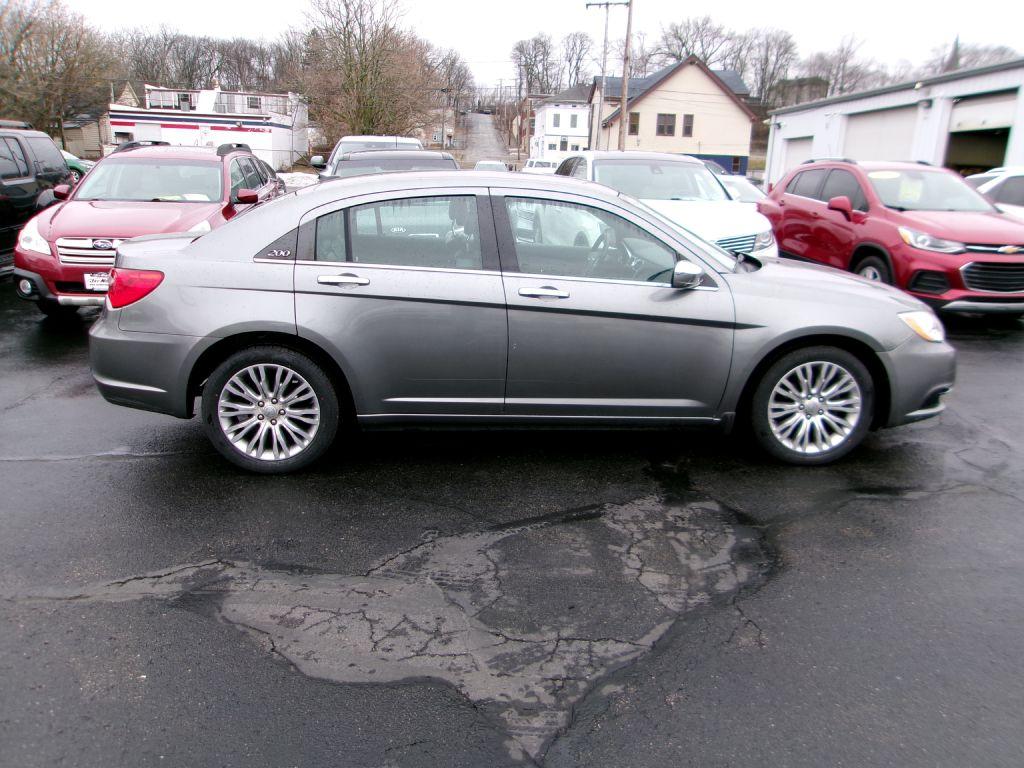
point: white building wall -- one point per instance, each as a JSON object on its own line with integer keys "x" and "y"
{"x": 826, "y": 123}
{"x": 546, "y": 133}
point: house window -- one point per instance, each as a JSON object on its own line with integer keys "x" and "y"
{"x": 572, "y": 120}
{"x": 552, "y": 146}
{"x": 687, "y": 125}
{"x": 563, "y": 145}
{"x": 533, "y": 125}
{"x": 254, "y": 102}
{"x": 556, "y": 121}
{"x": 634, "y": 123}
{"x": 736, "y": 164}
{"x": 575, "y": 147}
{"x": 666, "y": 125}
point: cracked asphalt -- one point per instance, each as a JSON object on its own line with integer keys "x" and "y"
{"x": 505, "y": 599}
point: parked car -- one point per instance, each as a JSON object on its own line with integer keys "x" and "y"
{"x": 742, "y": 190}
{"x": 1004, "y": 187}
{"x": 490, "y": 165}
{"x": 682, "y": 189}
{"x": 64, "y": 255}
{"x": 362, "y": 144}
{"x": 915, "y": 226}
{"x": 383, "y": 161}
{"x": 539, "y": 166}
{"x": 77, "y": 166}
{"x": 30, "y": 167}
{"x": 409, "y": 299}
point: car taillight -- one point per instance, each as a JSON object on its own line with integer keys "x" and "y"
{"x": 129, "y": 285}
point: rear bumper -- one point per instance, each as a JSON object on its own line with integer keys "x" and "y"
{"x": 148, "y": 371}
{"x": 921, "y": 374}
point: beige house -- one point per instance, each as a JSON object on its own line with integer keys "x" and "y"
{"x": 684, "y": 108}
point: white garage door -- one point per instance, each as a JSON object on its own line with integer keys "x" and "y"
{"x": 887, "y": 134}
{"x": 981, "y": 113}
{"x": 797, "y": 150}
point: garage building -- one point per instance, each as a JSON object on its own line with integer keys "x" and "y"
{"x": 969, "y": 120}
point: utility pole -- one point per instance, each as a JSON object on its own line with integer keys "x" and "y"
{"x": 624, "y": 108}
{"x": 604, "y": 70}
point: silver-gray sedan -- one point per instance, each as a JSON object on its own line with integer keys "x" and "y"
{"x": 437, "y": 298}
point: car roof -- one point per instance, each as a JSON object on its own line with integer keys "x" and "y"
{"x": 401, "y": 154}
{"x": 869, "y": 165}
{"x": 614, "y": 154}
{"x": 24, "y": 132}
{"x": 175, "y": 153}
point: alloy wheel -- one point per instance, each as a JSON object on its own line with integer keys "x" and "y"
{"x": 871, "y": 272}
{"x": 268, "y": 412}
{"x": 815, "y": 407}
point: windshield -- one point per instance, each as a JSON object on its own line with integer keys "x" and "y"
{"x": 914, "y": 190}
{"x": 659, "y": 179}
{"x": 380, "y": 165}
{"x": 741, "y": 189}
{"x": 180, "y": 181}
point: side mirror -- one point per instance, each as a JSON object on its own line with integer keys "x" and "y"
{"x": 62, "y": 191}
{"x": 841, "y": 204}
{"x": 317, "y": 161}
{"x": 246, "y": 197}
{"x": 687, "y": 275}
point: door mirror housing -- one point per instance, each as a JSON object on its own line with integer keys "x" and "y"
{"x": 841, "y": 204}
{"x": 686, "y": 275}
{"x": 62, "y": 191}
{"x": 246, "y": 197}
{"x": 317, "y": 161}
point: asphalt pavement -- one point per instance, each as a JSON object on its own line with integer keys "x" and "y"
{"x": 481, "y": 140}
{"x": 506, "y": 598}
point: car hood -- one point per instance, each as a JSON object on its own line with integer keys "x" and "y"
{"x": 95, "y": 218}
{"x": 712, "y": 220}
{"x": 987, "y": 228}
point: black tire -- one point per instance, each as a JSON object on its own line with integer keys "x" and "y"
{"x": 56, "y": 311}
{"x": 874, "y": 265}
{"x": 760, "y": 422}
{"x": 318, "y": 380}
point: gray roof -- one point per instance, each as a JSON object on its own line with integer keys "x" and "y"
{"x": 943, "y": 78}
{"x": 638, "y": 85}
{"x": 578, "y": 93}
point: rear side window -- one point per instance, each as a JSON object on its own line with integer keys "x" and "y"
{"x": 807, "y": 183}
{"x": 12, "y": 160}
{"x": 46, "y": 152}
{"x": 252, "y": 178}
{"x": 840, "y": 182}
{"x": 1011, "y": 191}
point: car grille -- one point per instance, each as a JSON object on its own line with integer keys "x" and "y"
{"x": 83, "y": 251}
{"x": 740, "y": 244}
{"x": 994, "y": 277}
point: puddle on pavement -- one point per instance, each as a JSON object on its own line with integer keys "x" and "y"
{"x": 522, "y": 619}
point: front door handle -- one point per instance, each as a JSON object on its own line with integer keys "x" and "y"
{"x": 345, "y": 279}
{"x": 544, "y": 292}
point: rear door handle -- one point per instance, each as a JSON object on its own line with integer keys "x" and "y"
{"x": 346, "y": 279}
{"x": 544, "y": 292}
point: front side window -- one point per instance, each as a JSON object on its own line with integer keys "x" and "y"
{"x": 687, "y": 125}
{"x": 925, "y": 190}
{"x": 440, "y": 232}
{"x": 152, "y": 180}
{"x": 659, "y": 179}
{"x": 843, "y": 183}
{"x": 570, "y": 240}
{"x": 252, "y": 178}
{"x": 666, "y": 125}
{"x": 237, "y": 178}
{"x": 634, "y": 123}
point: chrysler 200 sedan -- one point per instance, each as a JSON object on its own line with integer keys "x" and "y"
{"x": 418, "y": 299}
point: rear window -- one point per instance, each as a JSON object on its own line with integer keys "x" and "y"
{"x": 381, "y": 165}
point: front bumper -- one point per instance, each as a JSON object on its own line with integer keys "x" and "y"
{"x": 921, "y": 373}
{"x": 63, "y": 283}
{"x": 956, "y": 296}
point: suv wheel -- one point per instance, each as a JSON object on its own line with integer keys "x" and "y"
{"x": 813, "y": 406}
{"x": 270, "y": 410}
{"x": 874, "y": 268}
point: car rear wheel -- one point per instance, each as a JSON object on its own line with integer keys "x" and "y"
{"x": 270, "y": 410}
{"x": 874, "y": 268}
{"x": 813, "y": 406}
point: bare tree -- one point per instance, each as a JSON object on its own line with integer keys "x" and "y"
{"x": 576, "y": 48}
{"x": 695, "y": 36}
{"x": 773, "y": 53}
{"x": 643, "y": 58}
{"x": 539, "y": 67}
{"x": 965, "y": 56}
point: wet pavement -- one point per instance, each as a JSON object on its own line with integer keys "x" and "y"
{"x": 471, "y": 599}
{"x": 482, "y": 141}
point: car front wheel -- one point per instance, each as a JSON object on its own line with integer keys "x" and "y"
{"x": 874, "y": 268}
{"x": 270, "y": 409}
{"x": 813, "y": 406}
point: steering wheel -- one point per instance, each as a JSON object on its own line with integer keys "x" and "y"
{"x": 599, "y": 253}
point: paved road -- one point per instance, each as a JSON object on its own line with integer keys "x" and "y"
{"x": 482, "y": 141}
{"x": 505, "y": 599}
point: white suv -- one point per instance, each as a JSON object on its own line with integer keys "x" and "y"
{"x": 682, "y": 190}
{"x": 539, "y": 166}
{"x": 1004, "y": 187}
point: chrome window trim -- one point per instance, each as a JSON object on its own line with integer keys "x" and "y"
{"x": 603, "y": 280}
{"x": 361, "y": 265}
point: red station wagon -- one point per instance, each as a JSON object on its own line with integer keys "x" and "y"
{"x": 63, "y": 256}
{"x": 912, "y": 225}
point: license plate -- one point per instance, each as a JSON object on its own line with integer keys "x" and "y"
{"x": 97, "y": 281}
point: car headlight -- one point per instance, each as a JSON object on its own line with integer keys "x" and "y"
{"x": 764, "y": 240}
{"x": 29, "y": 238}
{"x": 927, "y": 242}
{"x": 925, "y": 324}
{"x": 200, "y": 228}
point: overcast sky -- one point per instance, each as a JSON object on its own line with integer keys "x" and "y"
{"x": 483, "y": 31}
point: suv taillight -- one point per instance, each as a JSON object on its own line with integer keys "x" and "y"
{"x": 129, "y": 285}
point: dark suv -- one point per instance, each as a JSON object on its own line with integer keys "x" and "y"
{"x": 30, "y": 167}
{"x": 912, "y": 225}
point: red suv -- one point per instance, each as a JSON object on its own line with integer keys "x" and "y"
{"x": 912, "y": 225}
{"x": 63, "y": 256}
